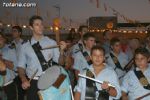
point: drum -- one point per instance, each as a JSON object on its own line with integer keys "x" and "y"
{"x": 49, "y": 90}
{"x": 1, "y": 80}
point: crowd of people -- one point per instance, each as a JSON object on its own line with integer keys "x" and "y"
{"x": 117, "y": 69}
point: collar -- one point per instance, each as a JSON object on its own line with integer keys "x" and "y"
{"x": 33, "y": 41}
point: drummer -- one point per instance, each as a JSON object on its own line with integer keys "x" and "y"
{"x": 32, "y": 58}
{"x": 89, "y": 90}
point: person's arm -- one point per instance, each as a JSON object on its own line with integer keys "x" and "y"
{"x": 24, "y": 80}
{"x": 63, "y": 46}
{"x": 124, "y": 96}
{"x": 21, "y": 66}
{"x": 2, "y": 68}
{"x": 9, "y": 64}
{"x": 77, "y": 96}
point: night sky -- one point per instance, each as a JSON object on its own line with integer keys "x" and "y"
{"x": 76, "y": 11}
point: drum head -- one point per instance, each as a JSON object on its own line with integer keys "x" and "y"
{"x": 49, "y": 77}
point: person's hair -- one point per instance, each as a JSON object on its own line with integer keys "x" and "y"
{"x": 142, "y": 51}
{"x": 18, "y": 28}
{"x": 33, "y": 18}
{"x": 87, "y": 35}
{"x": 105, "y": 32}
{"x": 81, "y": 28}
{"x": 98, "y": 47}
{"x": 114, "y": 41}
{"x": 72, "y": 30}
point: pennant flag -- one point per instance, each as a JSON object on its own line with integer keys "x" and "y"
{"x": 64, "y": 19}
{"x": 105, "y": 7}
{"x": 97, "y": 3}
{"x": 13, "y": 1}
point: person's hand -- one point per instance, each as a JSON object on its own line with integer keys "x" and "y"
{"x": 63, "y": 45}
{"x": 2, "y": 66}
{"x": 105, "y": 85}
{"x": 25, "y": 84}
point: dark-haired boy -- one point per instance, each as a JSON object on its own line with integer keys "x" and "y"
{"x": 90, "y": 90}
{"x": 116, "y": 59}
{"x": 32, "y": 57}
{"x": 136, "y": 83}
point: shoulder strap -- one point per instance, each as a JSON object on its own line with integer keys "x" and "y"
{"x": 116, "y": 61}
{"x": 85, "y": 54}
{"x": 37, "y": 49}
{"x": 142, "y": 79}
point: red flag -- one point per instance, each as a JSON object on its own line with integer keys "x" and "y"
{"x": 13, "y": 1}
{"x": 97, "y": 3}
{"x": 105, "y": 7}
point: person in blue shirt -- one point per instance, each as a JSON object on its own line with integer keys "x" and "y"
{"x": 100, "y": 71}
{"x": 116, "y": 59}
{"x": 6, "y": 57}
{"x": 29, "y": 62}
{"x": 16, "y": 44}
{"x": 136, "y": 83}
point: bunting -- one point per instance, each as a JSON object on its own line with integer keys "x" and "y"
{"x": 97, "y": 3}
{"x": 13, "y": 1}
{"x": 105, "y": 7}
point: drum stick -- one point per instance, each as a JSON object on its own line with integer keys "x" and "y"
{"x": 94, "y": 80}
{"x": 71, "y": 92}
{"x": 54, "y": 46}
{"x": 33, "y": 75}
{"x": 51, "y": 47}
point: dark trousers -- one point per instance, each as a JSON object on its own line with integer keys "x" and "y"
{"x": 10, "y": 91}
{"x": 20, "y": 91}
{"x": 32, "y": 92}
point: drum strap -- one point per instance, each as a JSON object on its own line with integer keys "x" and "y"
{"x": 142, "y": 79}
{"x": 85, "y": 54}
{"x": 37, "y": 49}
{"x": 116, "y": 62}
{"x": 90, "y": 93}
{"x": 59, "y": 80}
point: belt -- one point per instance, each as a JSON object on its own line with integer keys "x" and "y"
{"x": 8, "y": 83}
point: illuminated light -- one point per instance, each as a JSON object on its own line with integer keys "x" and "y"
{"x": 24, "y": 26}
{"x": 92, "y": 30}
{"x": 76, "y": 29}
{"x": 98, "y": 30}
{"x": 56, "y": 28}
{"x": 136, "y": 31}
{"x": 51, "y": 28}
{"x": 141, "y": 31}
{"x": 124, "y": 31}
{"x": 146, "y": 32}
{"x": 119, "y": 31}
{"x": 8, "y": 25}
{"x": 129, "y": 31}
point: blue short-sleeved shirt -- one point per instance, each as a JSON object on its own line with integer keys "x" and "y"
{"x": 8, "y": 54}
{"x": 123, "y": 60}
{"x": 27, "y": 56}
{"x": 133, "y": 87}
{"x": 106, "y": 74}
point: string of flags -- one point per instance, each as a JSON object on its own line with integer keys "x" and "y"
{"x": 117, "y": 13}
